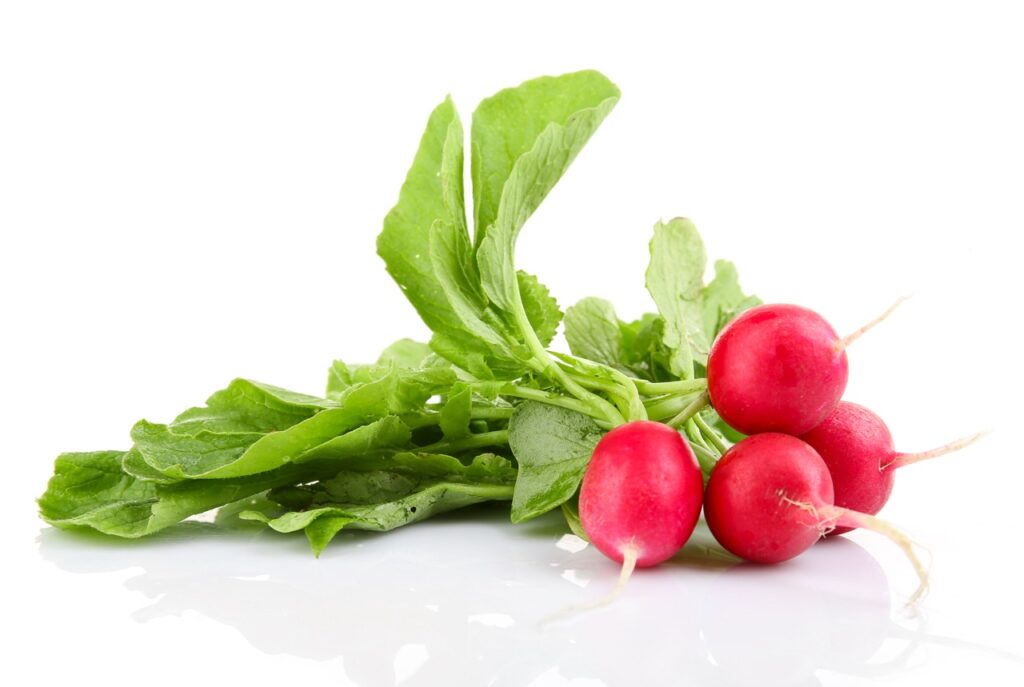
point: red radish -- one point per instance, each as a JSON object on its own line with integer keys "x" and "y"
{"x": 641, "y": 494}
{"x": 770, "y": 498}
{"x": 779, "y": 368}
{"x": 776, "y": 368}
{"x": 858, "y": 450}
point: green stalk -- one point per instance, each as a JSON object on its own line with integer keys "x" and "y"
{"x": 612, "y": 390}
{"x": 594, "y": 383}
{"x": 689, "y": 411}
{"x": 667, "y": 406}
{"x": 624, "y": 394}
{"x": 637, "y": 410}
{"x": 696, "y": 438}
{"x": 682, "y": 386}
{"x": 705, "y": 458}
{"x": 543, "y": 363}
{"x": 482, "y": 440}
{"x": 623, "y": 388}
{"x": 490, "y": 413}
{"x": 710, "y": 433}
{"x": 552, "y": 399}
{"x": 417, "y": 420}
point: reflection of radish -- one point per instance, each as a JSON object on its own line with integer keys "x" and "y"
{"x": 771, "y": 498}
{"x": 762, "y": 626}
{"x": 641, "y": 494}
{"x": 858, "y": 450}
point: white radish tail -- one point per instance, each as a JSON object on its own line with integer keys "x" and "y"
{"x": 901, "y": 459}
{"x": 828, "y": 517}
{"x": 630, "y": 553}
{"x": 844, "y": 343}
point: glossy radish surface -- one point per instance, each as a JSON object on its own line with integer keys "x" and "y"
{"x": 641, "y": 493}
{"x": 858, "y": 449}
{"x": 776, "y": 368}
{"x": 745, "y": 504}
{"x": 770, "y": 498}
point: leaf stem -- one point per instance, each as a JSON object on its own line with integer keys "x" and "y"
{"x": 637, "y": 410}
{"x": 682, "y": 386}
{"x": 544, "y": 364}
{"x": 490, "y": 413}
{"x": 622, "y": 389}
{"x": 615, "y": 393}
{"x": 689, "y": 411}
{"x": 495, "y": 438}
{"x": 428, "y": 419}
{"x": 705, "y": 458}
{"x": 667, "y": 406}
{"x": 541, "y": 396}
{"x": 711, "y": 434}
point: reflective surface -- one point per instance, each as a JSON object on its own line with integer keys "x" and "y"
{"x": 474, "y": 601}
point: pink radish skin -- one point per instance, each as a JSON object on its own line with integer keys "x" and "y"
{"x": 776, "y": 368}
{"x": 641, "y": 494}
{"x": 858, "y": 449}
{"x": 744, "y": 505}
{"x": 770, "y": 498}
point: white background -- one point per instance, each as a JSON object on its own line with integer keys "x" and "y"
{"x": 191, "y": 191}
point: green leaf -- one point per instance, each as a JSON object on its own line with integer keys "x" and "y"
{"x": 416, "y": 487}
{"x": 541, "y": 308}
{"x": 571, "y": 513}
{"x": 645, "y": 353}
{"x": 508, "y": 125}
{"x": 185, "y": 456}
{"x": 367, "y": 441}
{"x": 485, "y": 317}
{"x": 245, "y": 428}
{"x": 426, "y": 246}
{"x": 483, "y": 335}
{"x": 90, "y": 490}
{"x": 675, "y": 279}
{"x": 594, "y": 332}
{"x": 331, "y": 435}
{"x": 407, "y": 353}
{"x": 227, "y": 515}
{"x": 552, "y": 446}
{"x": 379, "y": 390}
{"x": 524, "y": 139}
{"x": 723, "y": 299}
{"x": 339, "y": 379}
{"x": 248, "y": 406}
{"x": 224, "y": 441}
{"x": 135, "y": 465}
{"x": 457, "y": 412}
{"x": 426, "y": 197}
{"x": 713, "y": 419}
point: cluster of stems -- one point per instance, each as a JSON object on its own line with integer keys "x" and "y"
{"x": 606, "y": 395}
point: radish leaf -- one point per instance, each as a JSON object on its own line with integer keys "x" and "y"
{"x": 675, "y": 278}
{"x": 552, "y": 447}
{"x": 413, "y": 488}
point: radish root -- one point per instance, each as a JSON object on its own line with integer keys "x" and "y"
{"x": 843, "y": 343}
{"x": 850, "y": 518}
{"x": 827, "y": 518}
{"x": 902, "y": 459}
{"x": 630, "y": 553}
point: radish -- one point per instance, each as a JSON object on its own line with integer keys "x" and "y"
{"x": 770, "y": 498}
{"x": 858, "y": 450}
{"x": 641, "y": 495}
{"x": 779, "y": 368}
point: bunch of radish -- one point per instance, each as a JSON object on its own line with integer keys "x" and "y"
{"x": 813, "y": 465}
